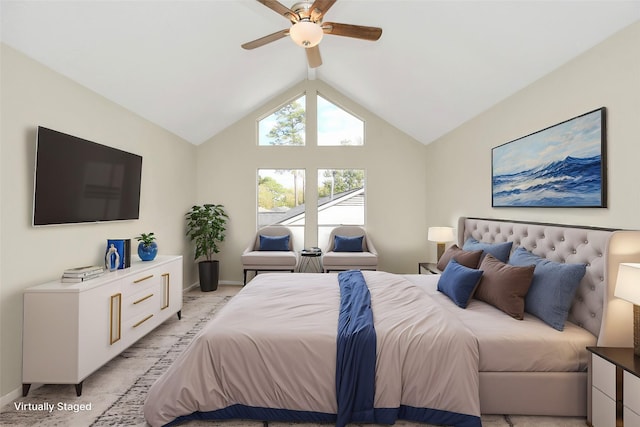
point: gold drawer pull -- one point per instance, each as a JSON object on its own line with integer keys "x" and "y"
{"x": 142, "y": 299}
{"x": 143, "y": 279}
{"x": 143, "y": 320}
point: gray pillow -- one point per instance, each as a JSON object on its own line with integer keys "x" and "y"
{"x": 504, "y": 286}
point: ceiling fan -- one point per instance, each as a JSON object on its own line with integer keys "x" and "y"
{"x": 307, "y": 27}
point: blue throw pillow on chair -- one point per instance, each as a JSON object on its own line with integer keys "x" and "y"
{"x": 347, "y": 244}
{"x": 274, "y": 243}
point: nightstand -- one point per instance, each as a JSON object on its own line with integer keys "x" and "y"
{"x": 431, "y": 267}
{"x": 614, "y": 374}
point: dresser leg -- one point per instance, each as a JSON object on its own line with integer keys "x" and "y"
{"x": 25, "y": 389}
{"x": 79, "y": 389}
{"x": 179, "y": 314}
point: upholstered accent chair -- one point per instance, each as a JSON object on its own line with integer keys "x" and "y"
{"x": 349, "y": 248}
{"x": 270, "y": 250}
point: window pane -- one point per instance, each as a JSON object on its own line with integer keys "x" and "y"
{"x": 284, "y": 127}
{"x": 341, "y": 197}
{"x": 336, "y": 126}
{"x": 281, "y": 197}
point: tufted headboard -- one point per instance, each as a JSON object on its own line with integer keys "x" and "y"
{"x": 594, "y": 307}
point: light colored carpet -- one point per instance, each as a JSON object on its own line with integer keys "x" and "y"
{"x": 113, "y": 395}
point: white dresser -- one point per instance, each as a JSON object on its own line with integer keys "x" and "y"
{"x": 615, "y": 387}
{"x": 72, "y": 329}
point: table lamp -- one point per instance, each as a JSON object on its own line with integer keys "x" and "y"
{"x": 628, "y": 288}
{"x": 440, "y": 235}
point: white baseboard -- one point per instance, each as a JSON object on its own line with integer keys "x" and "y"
{"x": 16, "y": 394}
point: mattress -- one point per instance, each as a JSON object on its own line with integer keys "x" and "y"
{"x": 510, "y": 345}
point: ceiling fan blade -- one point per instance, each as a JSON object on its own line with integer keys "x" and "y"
{"x": 319, "y": 8}
{"x": 266, "y": 39}
{"x": 355, "y": 31}
{"x": 281, "y": 9}
{"x": 313, "y": 56}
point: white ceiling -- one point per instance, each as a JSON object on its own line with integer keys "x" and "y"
{"x": 179, "y": 63}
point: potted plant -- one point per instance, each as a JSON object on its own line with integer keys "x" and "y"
{"x": 206, "y": 225}
{"x": 147, "y": 248}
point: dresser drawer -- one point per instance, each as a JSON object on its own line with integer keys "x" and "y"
{"x": 603, "y": 409}
{"x": 141, "y": 303}
{"x": 603, "y": 376}
{"x": 140, "y": 282}
{"x": 631, "y": 393}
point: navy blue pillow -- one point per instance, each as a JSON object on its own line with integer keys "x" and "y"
{"x": 458, "y": 282}
{"x": 274, "y": 243}
{"x": 552, "y": 289}
{"x": 500, "y": 251}
{"x": 347, "y": 244}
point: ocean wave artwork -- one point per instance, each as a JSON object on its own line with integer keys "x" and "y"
{"x": 561, "y": 166}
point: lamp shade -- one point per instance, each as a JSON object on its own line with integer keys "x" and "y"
{"x": 306, "y": 33}
{"x": 628, "y": 283}
{"x": 440, "y": 234}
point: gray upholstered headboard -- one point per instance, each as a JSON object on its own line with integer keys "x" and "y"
{"x": 594, "y": 307}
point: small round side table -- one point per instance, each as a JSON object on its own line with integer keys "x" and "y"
{"x": 310, "y": 260}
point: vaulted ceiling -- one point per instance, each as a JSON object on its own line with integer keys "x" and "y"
{"x": 179, "y": 64}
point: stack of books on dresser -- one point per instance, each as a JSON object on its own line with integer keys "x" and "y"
{"x": 82, "y": 274}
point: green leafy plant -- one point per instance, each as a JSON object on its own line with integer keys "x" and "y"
{"x": 206, "y": 226}
{"x": 146, "y": 238}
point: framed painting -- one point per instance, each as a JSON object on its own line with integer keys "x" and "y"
{"x": 561, "y": 166}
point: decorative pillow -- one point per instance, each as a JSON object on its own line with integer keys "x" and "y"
{"x": 347, "y": 244}
{"x": 504, "y": 286}
{"x": 469, "y": 259}
{"x": 552, "y": 289}
{"x": 458, "y": 282}
{"x": 500, "y": 251}
{"x": 274, "y": 243}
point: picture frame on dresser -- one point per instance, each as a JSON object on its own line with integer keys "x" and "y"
{"x": 563, "y": 165}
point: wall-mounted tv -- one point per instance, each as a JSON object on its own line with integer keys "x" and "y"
{"x": 79, "y": 181}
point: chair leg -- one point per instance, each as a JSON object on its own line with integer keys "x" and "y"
{"x": 245, "y": 278}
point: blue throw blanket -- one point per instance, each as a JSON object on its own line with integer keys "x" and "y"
{"x": 356, "y": 354}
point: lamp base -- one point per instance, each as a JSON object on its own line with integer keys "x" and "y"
{"x": 636, "y": 330}
{"x": 440, "y": 248}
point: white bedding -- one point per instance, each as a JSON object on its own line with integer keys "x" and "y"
{"x": 507, "y": 344}
{"x": 274, "y": 346}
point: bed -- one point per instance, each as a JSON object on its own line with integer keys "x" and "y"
{"x": 375, "y": 347}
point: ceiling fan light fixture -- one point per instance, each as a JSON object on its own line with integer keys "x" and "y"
{"x": 305, "y": 33}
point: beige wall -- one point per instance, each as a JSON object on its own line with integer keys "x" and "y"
{"x": 34, "y": 95}
{"x": 394, "y": 165}
{"x": 607, "y": 75}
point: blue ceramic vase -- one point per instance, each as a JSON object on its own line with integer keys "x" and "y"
{"x": 147, "y": 253}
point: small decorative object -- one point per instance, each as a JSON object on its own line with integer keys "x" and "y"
{"x": 112, "y": 258}
{"x": 147, "y": 248}
{"x": 560, "y": 166}
{"x": 206, "y": 225}
{"x": 118, "y": 250}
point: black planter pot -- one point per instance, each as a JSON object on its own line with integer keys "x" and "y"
{"x": 208, "y": 272}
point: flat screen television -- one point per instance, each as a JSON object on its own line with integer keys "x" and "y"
{"x": 78, "y": 181}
